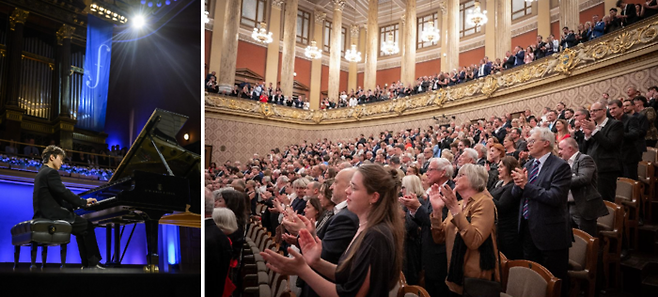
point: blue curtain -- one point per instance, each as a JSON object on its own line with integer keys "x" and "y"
{"x": 93, "y": 104}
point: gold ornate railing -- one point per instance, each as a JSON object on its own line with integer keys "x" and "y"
{"x": 638, "y": 39}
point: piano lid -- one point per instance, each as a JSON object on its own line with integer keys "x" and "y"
{"x": 161, "y": 130}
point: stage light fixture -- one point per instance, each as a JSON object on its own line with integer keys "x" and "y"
{"x": 139, "y": 21}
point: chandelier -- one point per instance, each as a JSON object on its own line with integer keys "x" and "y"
{"x": 476, "y": 17}
{"x": 430, "y": 34}
{"x": 107, "y": 13}
{"x": 352, "y": 54}
{"x": 390, "y": 47}
{"x": 312, "y": 51}
{"x": 261, "y": 35}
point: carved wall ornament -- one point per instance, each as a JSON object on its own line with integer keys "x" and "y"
{"x": 18, "y": 16}
{"x": 339, "y": 4}
{"x": 354, "y": 31}
{"x": 490, "y": 85}
{"x": 320, "y": 16}
{"x": 65, "y": 32}
{"x": 277, "y": 3}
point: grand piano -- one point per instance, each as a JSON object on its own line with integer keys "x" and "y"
{"x": 156, "y": 178}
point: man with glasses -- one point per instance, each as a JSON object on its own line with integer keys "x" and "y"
{"x": 631, "y": 149}
{"x": 433, "y": 256}
{"x": 603, "y": 139}
{"x": 542, "y": 187}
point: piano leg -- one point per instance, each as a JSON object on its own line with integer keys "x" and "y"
{"x": 117, "y": 244}
{"x": 151, "y": 223}
{"x": 108, "y": 244}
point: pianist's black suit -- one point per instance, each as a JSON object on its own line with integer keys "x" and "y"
{"x": 52, "y": 200}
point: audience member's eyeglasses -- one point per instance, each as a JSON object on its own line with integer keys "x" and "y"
{"x": 595, "y": 110}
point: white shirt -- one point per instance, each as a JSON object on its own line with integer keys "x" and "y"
{"x": 571, "y": 161}
{"x": 598, "y": 128}
{"x": 354, "y": 101}
{"x": 340, "y": 206}
{"x": 542, "y": 160}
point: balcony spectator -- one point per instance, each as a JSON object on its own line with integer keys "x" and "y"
{"x": 10, "y": 148}
{"x": 628, "y": 14}
{"x": 649, "y": 8}
{"x": 30, "y": 150}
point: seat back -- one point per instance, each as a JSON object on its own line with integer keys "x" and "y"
{"x": 614, "y": 220}
{"x": 586, "y": 253}
{"x": 529, "y": 279}
{"x": 651, "y": 155}
{"x": 412, "y": 291}
{"x": 626, "y": 189}
{"x": 645, "y": 171}
{"x": 578, "y": 252}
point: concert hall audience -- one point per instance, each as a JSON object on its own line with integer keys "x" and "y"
{"x": 538, "y": 196}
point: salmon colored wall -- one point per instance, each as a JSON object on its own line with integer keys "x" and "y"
{"x": 387, "y": 76}
{"x": 525, "y": 39}
{"x": 586, "y": 15}
{"x": 324, "y": 78}
{"x": 251, "y": 56}
{"x": 344, "y": 75}
{"x": 471, "y": 57}
{"x": 359, "y": 81}
{"x": 428, "y": 68}
{"x": 556, "y": 30}
{"x": 208, "y": 38}
{"x": 303, "y": 70}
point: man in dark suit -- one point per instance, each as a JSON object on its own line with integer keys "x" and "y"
{"x": 568, "y": 39}
{"x": 510, "y": 61}
{"x": 630, "y": 152}
{"x": 338, "y": 232}
{"x": 542, "y": 187}
{"x": 603, "y": 137}
{"x": 585, "y": 202}
{"x": 52, "y": 200}
{"x": 433, "y": 256}
{"x": 499, "y": 131}
{"x": 485, "y": 68}
{"x": 628, "y": 13}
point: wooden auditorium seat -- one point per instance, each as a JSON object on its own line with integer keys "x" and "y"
{"x": 611, "y": 229}
{"x": 523, "y": 278}
{"x": 583, "y": 257}
{"x": 646, "y": 175}
{"x": 628, "y": 195}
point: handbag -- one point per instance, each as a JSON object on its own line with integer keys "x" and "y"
{"x": 478, "y": 287}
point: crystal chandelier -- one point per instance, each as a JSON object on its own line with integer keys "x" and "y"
{"x": 430, "y": 34}
{"x": 261, "y": 35}
{"x": 352, "y": 54}
{"x": 312, "y": 51}
{"x": 476, "y": 17}
{"x": 390, "y": 47}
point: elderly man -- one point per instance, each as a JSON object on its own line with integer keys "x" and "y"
{"x": 433, "y": 256}
{"x": 585, "y": 202}
{"x": 542, "y": 187}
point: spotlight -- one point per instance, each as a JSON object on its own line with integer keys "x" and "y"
{"x": 167, "y": 2}
{"x": 150, "y": 4}
{"x": 143, "y": 2}
{"x": 139, "y": 21}
{"x": 186, "y": 136}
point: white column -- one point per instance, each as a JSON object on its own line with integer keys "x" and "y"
{"x": 334, "y": 57}
{"x": 229, "y": 45}
{"x": 288, "y": 56}
{"x": 372, "y": 46}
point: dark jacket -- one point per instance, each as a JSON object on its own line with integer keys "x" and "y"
{"x": 589, "y": 203}
{"x": 51, "y": 199}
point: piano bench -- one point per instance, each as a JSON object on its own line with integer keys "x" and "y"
{"x": 43, "y": 233}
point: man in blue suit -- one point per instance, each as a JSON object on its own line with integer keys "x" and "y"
{"x": 485, "y": 67}
{"x": 599, "y": 27}
{"x": 542, "y": 186}
{"x": 520, "y": 55}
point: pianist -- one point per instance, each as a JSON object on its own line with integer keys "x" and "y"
{"x": 53, "y": 201}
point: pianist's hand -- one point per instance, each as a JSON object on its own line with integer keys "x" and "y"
{"x": 91, "y": 201}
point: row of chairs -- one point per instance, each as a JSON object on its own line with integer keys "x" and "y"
{"x": 258, "y": 280}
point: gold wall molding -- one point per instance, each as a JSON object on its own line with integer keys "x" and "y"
{"x": 88, "y": 138}
{"x": 593, "y": 59}
{"x": 18, "y": 16}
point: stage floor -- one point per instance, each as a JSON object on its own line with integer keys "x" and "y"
{"x": 73, "y": 281}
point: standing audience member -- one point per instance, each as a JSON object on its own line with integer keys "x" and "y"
{"x": 585, "y": 202}
{"x": 362, "y": 268}
{"x": 602, "y": 137}
{"x": 468, "y": 231}
{"x": 508, "y": 210}
{"x": 542, "y": 186}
